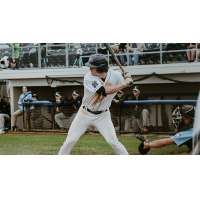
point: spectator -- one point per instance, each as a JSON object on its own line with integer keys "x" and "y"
{"x": 16, "y": 50}
{"x": 192, "y": 54}
{"x": 36, "y": 114}
{"x": 24, "y": 44}
{"x": 24, "y": 97}
{"x": 3, "y": 115}
{"x": 118, "y": 101}
{"x": 183, "y": 118}
{"x": 136, "y": 48}
{"x": 49, "y": 49}
{"x": 115, "y": 48}
{"x": 140, "y": 118}
{"x": 122, "y": 50}
{"x": 33, "y": 55}
{"x": 68, "y": 109}
{"x": 13, "y": 67}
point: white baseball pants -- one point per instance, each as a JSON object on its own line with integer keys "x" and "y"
{"x": 3, "y": 117}
{"x": 102, "y": 122}
{"x": 137, "y": 123}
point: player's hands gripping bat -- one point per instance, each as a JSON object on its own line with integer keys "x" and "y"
{"x": 128, "y": 82}
{"x": 127, "y": 75}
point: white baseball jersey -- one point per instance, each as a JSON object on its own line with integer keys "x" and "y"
{"x": 94, "y": 101}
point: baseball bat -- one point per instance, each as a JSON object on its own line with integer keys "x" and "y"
{"x": 108, "y": 47}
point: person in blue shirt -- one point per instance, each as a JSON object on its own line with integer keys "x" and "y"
{"x": 183, "y": 119}
{"x": 24, "y": 97}
{"x": 13, "y": 65}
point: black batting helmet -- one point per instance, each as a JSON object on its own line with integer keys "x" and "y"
{"x": 98, "y": 61}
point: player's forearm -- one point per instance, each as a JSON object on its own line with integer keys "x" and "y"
{"x": 161, "y": 143}
{"x": 113, "y": 89}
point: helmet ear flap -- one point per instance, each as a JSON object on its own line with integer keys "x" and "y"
{"x": 103, "y": 67}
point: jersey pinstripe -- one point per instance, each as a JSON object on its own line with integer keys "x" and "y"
{"x": 94, "y": 101}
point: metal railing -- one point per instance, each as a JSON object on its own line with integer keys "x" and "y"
{"x": 150, "y": 53}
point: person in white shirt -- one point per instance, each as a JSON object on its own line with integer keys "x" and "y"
{"x": 100, "y": 86}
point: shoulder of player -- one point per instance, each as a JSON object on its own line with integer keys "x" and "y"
{"x": 89, "y": 77}
{"x": 116, "y": 73}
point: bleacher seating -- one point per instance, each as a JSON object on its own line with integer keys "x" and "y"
{"x": 49, "y": 60}
{"x": 83, "y": 46}
{"x": 155, "y": 58}
{"x": 92, "y": 50}
{"x": 21, "y": 59}
{"x": 43, "y": 52}
{"x": 7, "y": 53}
{"x": 57, "y": 56}
{"x": 26, "y": 57}
{"x": 177, "y": 46}
{"x": 34, "y": 58}
{"x": 62, "y": 57}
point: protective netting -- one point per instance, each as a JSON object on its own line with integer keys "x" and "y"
{"x": 54, "y": 55}
{"x": 128, "y": 118}
{"x": 134, "y": 117}
{"x": 45, "y": 117}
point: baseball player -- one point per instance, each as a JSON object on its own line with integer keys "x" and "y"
{"x": 118, "y": 101}
{"x": 100, "y": 86}
{"x": 3, "y": 114}
{"x": 68, "y": 110}
{"x": 140, "y": 118}
{"x": 183, "y": 118}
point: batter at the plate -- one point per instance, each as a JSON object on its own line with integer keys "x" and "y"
{"x": 100, "y": 86}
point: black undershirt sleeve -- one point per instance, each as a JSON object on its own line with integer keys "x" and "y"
{"x": 101, "y": 91}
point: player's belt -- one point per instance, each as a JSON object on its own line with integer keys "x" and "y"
{"x": 94, "y": 112}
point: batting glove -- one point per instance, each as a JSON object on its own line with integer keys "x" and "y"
{"x": 127, "y": 82}
{"x": 126, "y": 75}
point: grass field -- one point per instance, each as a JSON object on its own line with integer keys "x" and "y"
{"x": 11, "y": 144}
